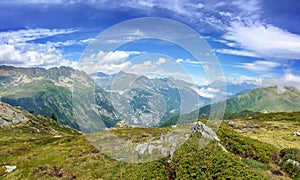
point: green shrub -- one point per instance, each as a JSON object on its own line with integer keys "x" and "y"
{"x": 290, "y": 153}
{"x": 246, "y": 147}
{"x": 192, "y": 162}
{"x": 290, "y": 168}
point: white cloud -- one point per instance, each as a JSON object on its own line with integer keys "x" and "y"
{"x": 247, "y": 7}
{"x": 240, "y": 79}
{"x": 259, "y": 66}
{"x": 287, "y": 80}
{"x": 161, "y": 61}
{"x": 236, "y": 52}
{"x": 115, "y": 57}
{"x": 188, "y": 61}
{"x": 31, "y": 55}
{"x": 200, "y": 5}
{"x": 207, "y": 92}
{"x": 264, "y": 40}
{"x": 17, "y": 50}
{"x": 34, "y": 1}
{"x": 107, "y": 62}
{"x": 123, "y": 39}
{"x": 223, "y": 13}
{"x": 131, "y": 35}
{"x": 25, "y": 35}
{"x": 145, "y": 67}
{"x": 71, "y": 42}
{"x": 179, "y": 60}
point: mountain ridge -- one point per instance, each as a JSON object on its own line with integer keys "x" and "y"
{"x": 260, "y": 100}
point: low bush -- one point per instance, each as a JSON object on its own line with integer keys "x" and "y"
{"x": 290, "y": 163}
{"x": 247, "y": 147}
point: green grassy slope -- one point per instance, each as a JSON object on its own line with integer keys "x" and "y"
{"x": 43, "y": 149}
{"x": 251, "y": 103}
{"x": 72, "y": 157}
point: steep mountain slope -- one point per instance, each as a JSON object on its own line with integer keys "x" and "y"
{"x": 148, "y": 102}
{"x": 75, "y": 100}
{"x": 49, "y": 91}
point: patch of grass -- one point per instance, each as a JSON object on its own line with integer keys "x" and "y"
{"x": 139, "y": 134}
{"x": 2, "y": 171}
{"x": 255, "y": 164}
{"x": 59, "y": 152}
{"x": 277, "y": 133}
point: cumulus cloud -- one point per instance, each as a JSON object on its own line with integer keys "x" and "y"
{"x": 115, "y": 57}
{"x": 145, "y": 67}
{"x": 107, "y": 62}
{"x": 207, "y": 92}
{"x": 259, "y": 66}
{"x": 246, "y": 79}
{"x": 31, "y": 55}
{"x": 287, "y": 80}
{"x": 17, "y": 49}
{"x": 161, "y": 61}
{"x": 179, "y": 60}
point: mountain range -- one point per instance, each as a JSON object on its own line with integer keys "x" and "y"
{"x": 48, "y": 92}
{"x": 87, "y": 105}
{"x": 256, "y": 101}
{"x": 261, "y": 100}
{"x": 93, "y": 102}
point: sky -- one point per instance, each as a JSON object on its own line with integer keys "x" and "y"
{"x": 255, "y": 41}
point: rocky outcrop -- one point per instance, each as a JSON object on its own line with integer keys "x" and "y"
{"x": 122, "y": 124}
{"x": 207, "y": 133}
{"x": 10, "y": 169}
{"x": 167, "y": 143}
{"x": 10, "y": 115}
{"x": 297, "y": 133}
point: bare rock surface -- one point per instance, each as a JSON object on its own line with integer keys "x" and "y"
{"x": 11, "y": 115}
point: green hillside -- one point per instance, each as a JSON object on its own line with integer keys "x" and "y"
{"x": 51, "y": 91}
{"x": 41, "y": 148}
{"x": 265, "y": 99}
{"x": 257, "y": 101}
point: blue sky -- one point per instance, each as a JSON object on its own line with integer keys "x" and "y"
{"x": 256, "y": 41}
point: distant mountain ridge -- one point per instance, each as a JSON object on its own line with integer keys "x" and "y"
{"x": 269, "y": 99}
{"x": 260, "y": 100}
{"x": 47, "y": 91}
{"x": 149, "y": 101}
{"x": 138, "y": 99}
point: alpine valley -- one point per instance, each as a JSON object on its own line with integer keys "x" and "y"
{"x": 138, "y": 99}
